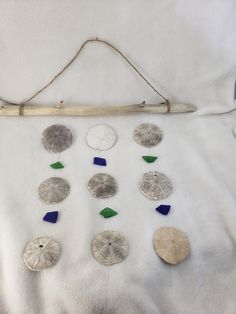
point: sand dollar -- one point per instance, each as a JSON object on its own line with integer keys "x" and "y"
{"x": 41, "y": 253}
{"x": 53, "y": 190}
{"x": 101, "y": 137}
{"x": 110, "y": 247}
{"x": 155, "y": 185}
{"x": 102, "y": 185}
{"x": 57, "y": 138}
{"x": 171, "y": 244}
{"x": 147, "y": 134}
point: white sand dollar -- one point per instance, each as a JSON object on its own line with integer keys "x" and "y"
{"x": 53, "y": 190}
{"x": 171, "y": 244}
{"x": 102, "y": 185}
{"x": 147, "y": 134}
{"x": 57, "y": 138}
{"x": 110, "y": 247}
{"x": 41, "y": 253}
{"x": 155, "y": 185}
{"x": 101, "y": 137}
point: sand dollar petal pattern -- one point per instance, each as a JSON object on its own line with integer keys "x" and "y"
{"x": 171, "y": 244}
{"x": 101, "y": 137}
{"x": 102, "y": 185}
{"x": 57, "y": 138}
{"x": 155, "y": 185}
{"x": 53, "y": 190}
{"x": 41, "y": 253}
{"x": 110, "y": 247}
{"x": 147, "y": 134}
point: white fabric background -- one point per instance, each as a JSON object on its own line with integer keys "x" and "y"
{"x": 186, "y": 48}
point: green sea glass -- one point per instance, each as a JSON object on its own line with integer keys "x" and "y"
{"x": 57, "y": 165}
{"x": 108, "y": 212}
{"x": 149, "y": 159}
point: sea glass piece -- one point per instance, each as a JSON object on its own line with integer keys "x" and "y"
{"x": 108, "y": 212}
{"x": 57, "y": 165}
{"x": 163, "y": 209}
{"x": 99, "y": 161}
{"x": 149, "y": 159}
{"x": 51, "y": 217}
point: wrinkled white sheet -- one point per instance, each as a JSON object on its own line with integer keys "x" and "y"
{"x": 186, "y": 48}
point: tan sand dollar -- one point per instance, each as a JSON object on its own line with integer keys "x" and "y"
{"x": 102, "y": 185}
{"x": 147, "y": 134}
{"x": 101, "y": 137}
{"x": 53, "y": 190}
{"x": 110, "y": 247}
{"x": 171, "y": 244}
{"x": 56, "y": 138}
{"x": 155, "y": 185}
{"x": 41, "y": 253}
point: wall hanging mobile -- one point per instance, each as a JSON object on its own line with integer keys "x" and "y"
{"x": 108, "y": 247}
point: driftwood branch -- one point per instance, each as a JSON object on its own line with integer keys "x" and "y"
{"x": 87, "y": 110}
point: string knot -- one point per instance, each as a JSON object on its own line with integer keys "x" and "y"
{"x": 21, "y": 109}
{"x": 167, "y": 105}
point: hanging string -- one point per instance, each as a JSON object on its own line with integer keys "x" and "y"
{"x": 73, "y": 59}
{"x": 9, "y": 102}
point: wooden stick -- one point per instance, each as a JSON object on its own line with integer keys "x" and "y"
{"x": 61, "y": 110}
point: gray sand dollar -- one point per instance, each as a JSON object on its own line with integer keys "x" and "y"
{"x": 110, "y": 247}
{"x": 155, "y": 185}
{"x": 41, "y": 253}
{"x": 56, "y": 138}
{"x": 147, "y": 134}
{"x": 102, "y": 185}
{"x": 53, "y": 190}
